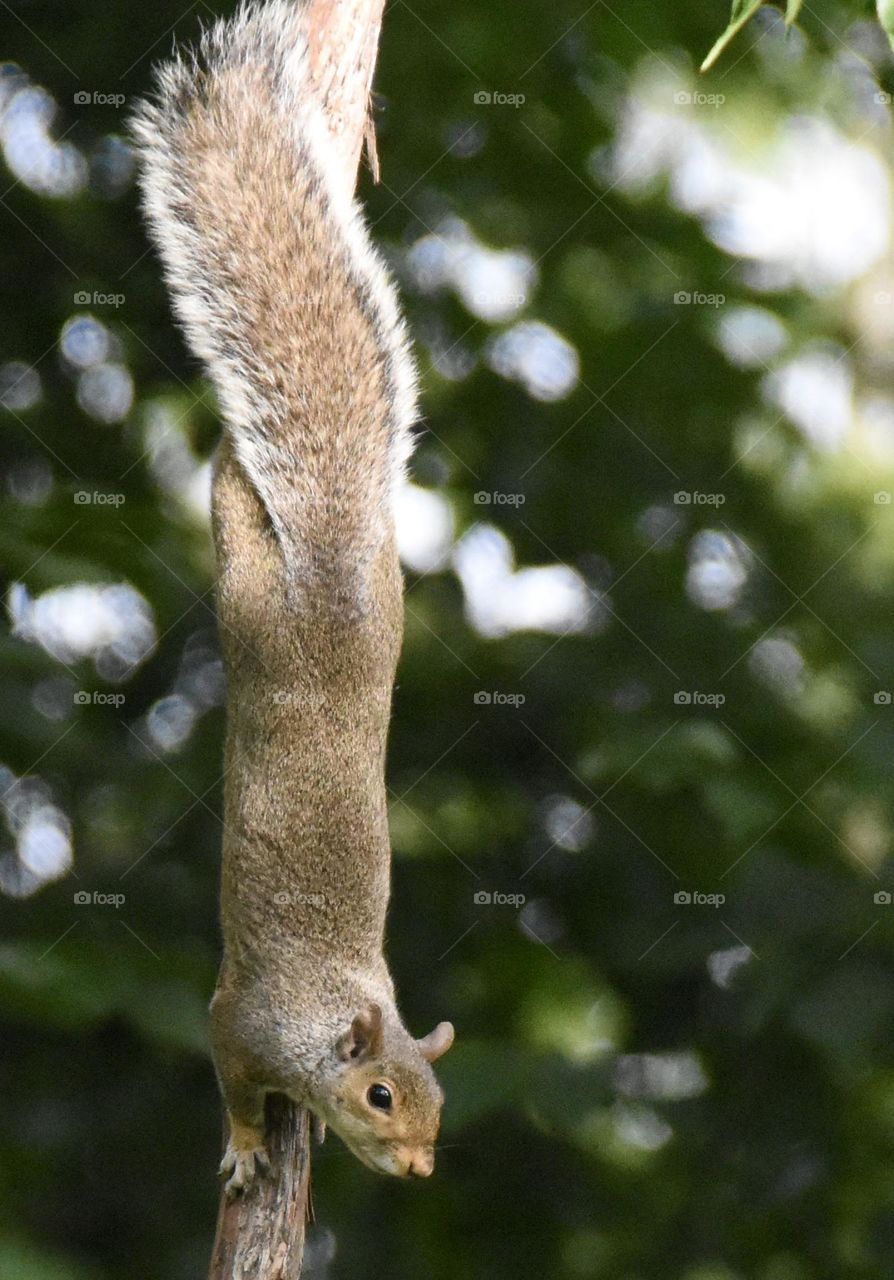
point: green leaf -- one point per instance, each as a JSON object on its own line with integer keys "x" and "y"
{"x": 28, "y": 1261}
{"x": 845, "y": 1029}
{"x": 792, "y": 9}
{"x": 93, "y": 979}
{"x": 886, "y": 18}
{"x": 742, "y": 10}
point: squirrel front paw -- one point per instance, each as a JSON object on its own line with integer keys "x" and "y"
{"x": 245, "y": 1156}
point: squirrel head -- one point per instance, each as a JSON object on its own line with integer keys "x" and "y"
{"x": 380, "y": 1095}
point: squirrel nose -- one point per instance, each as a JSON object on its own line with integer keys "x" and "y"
{"x": 422, "y": 1164}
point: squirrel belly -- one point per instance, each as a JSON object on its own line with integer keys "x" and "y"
{"x": 282, "y": 296}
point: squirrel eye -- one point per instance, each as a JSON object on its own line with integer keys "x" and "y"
{"x": 379, "y": 1095}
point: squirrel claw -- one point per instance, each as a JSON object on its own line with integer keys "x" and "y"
{"x": 241, "y": 1163}
{"x": 318, "y": 1128}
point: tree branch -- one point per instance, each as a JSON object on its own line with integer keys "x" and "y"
{"x": 260, "y": 1236}
{"x": 344, "y": 39}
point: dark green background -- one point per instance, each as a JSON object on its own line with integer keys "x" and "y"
{"x": 564, "y": 1154}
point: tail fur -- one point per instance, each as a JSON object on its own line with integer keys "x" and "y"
{"x": 278, "y": 287}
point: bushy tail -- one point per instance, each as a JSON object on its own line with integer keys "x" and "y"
{"x": 278, "y": 287}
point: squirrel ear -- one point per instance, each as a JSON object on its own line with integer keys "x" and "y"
{"x": 437, "y": 1042}
{"x": 363, "y": 1039}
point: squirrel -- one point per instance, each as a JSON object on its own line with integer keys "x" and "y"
{"x": 282, "y": 296}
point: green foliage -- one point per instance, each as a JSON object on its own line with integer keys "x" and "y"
{"x": 644, "y": 1086}
{"x": 742, "y": 12}
{"x": 886, "y": 18}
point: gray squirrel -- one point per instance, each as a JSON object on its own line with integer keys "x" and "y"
{"x": 286, "y": 302}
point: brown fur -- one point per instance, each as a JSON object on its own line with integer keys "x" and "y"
{"x": 296, "y": 324}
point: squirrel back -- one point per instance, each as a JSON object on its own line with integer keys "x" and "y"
{"x": 283, "y": 297}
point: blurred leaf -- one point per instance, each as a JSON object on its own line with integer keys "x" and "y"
{"x": 742, "y": 10}
{"x": 26, "y": 1261}
{"x": 886, "y": 18}
{"x": 848, "y": 1029}
{"x": 80, "y": 984}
